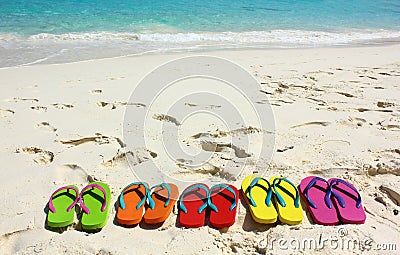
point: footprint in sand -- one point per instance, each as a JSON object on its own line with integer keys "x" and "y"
{"x": 211, "y": 106}
{"x": 96, "y": 91}
{"x": 392, "y": 194}
{"x": 112, "y": 106}
{"x": 345, "y": 94}
{"x": 369, "y": 77}
{"x": 58, "y": 106}
{"x": 46, "y": 126}
{"x": 63, "y": 106}
{"x": 385, "y": 104}
{"x": 166, "y": 118}
{"x": 236, "y": 132}
{"x": 367, "y": 110}
{"x": 219, "y": 147}
{"x": 312, "y": 123}
{"x": 6, "y": 112}
{"x": 39, "y": 108}
{"x": 115, "y": 78}
{"x": 207, "y": 169}
{"x": 354, "y": 120}
{"x": 321, "y": 72}
{"x": 310, "y": 78}
{"x": 133, "y": 157}
{"x": 285, "y": 148}
{"x": 42, "y": 157}
{"x": 17, "y": 99}
{"x": 388, "y": 167}
{"x": 318, "y": 101}
{"x": 99, "y": 139}
{"x": 70, "y": 173}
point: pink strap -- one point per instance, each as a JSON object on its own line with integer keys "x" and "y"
{"x": 83, "y": 206}
{"x": 51, "y": 206}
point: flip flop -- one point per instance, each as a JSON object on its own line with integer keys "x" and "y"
{"x": 347, "y": 201}
{"x": 192, "y": 205}
{"x": 287, "y": 200}
{"x": 316, "y": 193}
{"x": 161, "y": 202}
{"x": 131, "y": 203}
{"x": 95, "y": 202}
{"x": 223, "y": 199}
{"x": 257, "y": 192}
{"x": 61, "y": 203}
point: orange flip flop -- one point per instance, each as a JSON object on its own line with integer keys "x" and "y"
{"x": 131, "y": 203}
{"x": 161, "y": 202}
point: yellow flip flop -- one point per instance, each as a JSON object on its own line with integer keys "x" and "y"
{"x": 287, "y": 200}
{"x": 258, "y": 194}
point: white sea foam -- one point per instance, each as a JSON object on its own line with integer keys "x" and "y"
{"x": 275, "y": 37}
{"x": 257, "y": 37}
{"x": 60, "y": 48}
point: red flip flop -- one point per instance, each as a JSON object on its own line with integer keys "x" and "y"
{"x": 192, "y": 205}
{"x": 223, "y": 200}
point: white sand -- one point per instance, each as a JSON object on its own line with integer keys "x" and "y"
{"x": 338, "y": 108}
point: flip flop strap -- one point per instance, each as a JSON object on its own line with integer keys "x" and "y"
{"x": 269, "y": 192}
{"x": 224, "y": 186}
{"x": 162, "y": 185}
{"x": 327, "y": 195}
{"x": 94, "y": 185}
{"x": 121, "y": 196}
{"x": 198, "y": 186}
{"x": 339, "y": 198}
{"x": 279, "y": 197}
{"x": 51, "y": 206}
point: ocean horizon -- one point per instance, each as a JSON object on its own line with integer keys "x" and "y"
{"x": 54, "y": 31}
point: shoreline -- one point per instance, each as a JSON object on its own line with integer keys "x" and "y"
{"x": 72, "y": 47}
{"x": 183, "y": 51}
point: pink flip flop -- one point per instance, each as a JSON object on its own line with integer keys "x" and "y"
{"x": 347, "y": 200}
{"x": 316, "y": 193}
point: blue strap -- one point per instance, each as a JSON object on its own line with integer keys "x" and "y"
{"x": 197, "y": 186}
{"x": 279, "y": 197}
{"x": 269, "y": 192}
{"x": 162, "y": 185}
{"x": 223, "y": 186}
{"x": 121, "y": 197}
{"x": 327, "y": 195}
{"x": 339, "y": 198}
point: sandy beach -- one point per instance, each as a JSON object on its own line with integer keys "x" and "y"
{"x": 336, "y": 114}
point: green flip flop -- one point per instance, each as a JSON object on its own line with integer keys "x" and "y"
{"x": 61, "y": 203}
{"x": 95, "y": 203}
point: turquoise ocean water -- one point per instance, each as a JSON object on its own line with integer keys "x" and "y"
{"x": 53, "y": 31}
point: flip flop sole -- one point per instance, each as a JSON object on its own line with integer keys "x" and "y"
{"x": 193, "y": 201}
{"x": 223, "y": 200}
{"x": 290, "y": 214}
{"x": 350, "y": 214}
{"x": 322, "y": 215}
{"x": 61, "y": 201}
{"x": 261, "y": 213}
{"x": 93, "y": 200}
{"x": 131, "y": 215}
{"x": 161, "y": 212}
